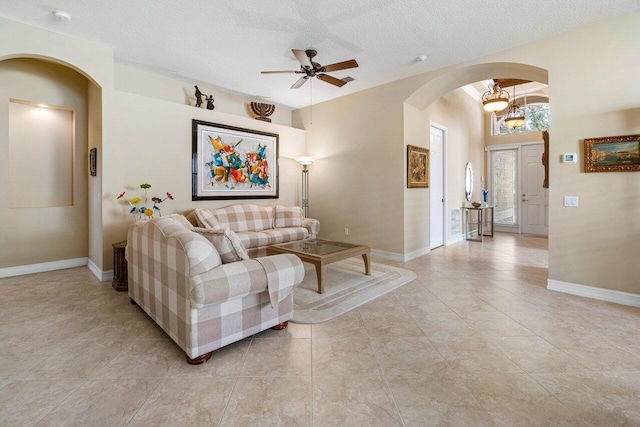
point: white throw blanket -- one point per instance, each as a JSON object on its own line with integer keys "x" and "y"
{"x": 284, "y": 273}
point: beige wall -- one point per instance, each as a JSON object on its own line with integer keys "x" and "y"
{"x": 357, "y": 180}
{"x": 133, "y": 80}
{"x": 34, "y": 235}
{"x": 154, "y": 146}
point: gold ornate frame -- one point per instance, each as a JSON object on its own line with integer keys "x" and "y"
{"x": 612, "y": 154}
{"x": 417, "y": 167}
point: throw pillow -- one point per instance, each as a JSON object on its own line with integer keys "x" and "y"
{"x": 288, "y": 216}
{"x": 181, "y": 219}
{"x": 226, "y": 242}
{"x": 206, "y": 219}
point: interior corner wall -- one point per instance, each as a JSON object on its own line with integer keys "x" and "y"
{"x": 416, "y": 200}
{"x": 357, "y": 178}
{"x": 94, "y": 107}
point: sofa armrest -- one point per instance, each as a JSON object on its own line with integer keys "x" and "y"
{"x": 277, "y": 273}
{"x": 228, "y": 281}
{"x": 313, "y": 225}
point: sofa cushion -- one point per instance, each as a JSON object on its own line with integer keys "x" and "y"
{"x": 226, "y": 243}
{"x": 287, "y": 216}
{"x": 245, "y": 217}
{"x": 254, "y": 239}
{"x": 206, "y": 219}
{"x": 289, "y": 234}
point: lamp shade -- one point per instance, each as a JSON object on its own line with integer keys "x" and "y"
{"x": 305, "y": 160}
{"x": 495, "y": 99}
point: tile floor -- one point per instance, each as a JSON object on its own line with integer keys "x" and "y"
{"x": 476, "y": 340}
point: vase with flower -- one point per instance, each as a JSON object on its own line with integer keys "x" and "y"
{"x": 141, "y": 209}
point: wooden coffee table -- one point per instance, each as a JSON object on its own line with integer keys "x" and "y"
{"x": 322, "y": 252}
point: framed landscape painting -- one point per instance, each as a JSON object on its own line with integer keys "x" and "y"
{"x": 417, "y": 167}
{"x": 612, "y": 154}
{"x": 233, "y": 163}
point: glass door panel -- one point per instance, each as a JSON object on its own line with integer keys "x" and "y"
{"x": 504, "y": 181}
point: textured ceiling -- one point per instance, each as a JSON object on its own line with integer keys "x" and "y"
{"x": 226, "y": 43}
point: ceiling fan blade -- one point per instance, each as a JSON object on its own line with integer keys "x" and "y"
{"x": 327, "y": 78}
{"x": 277, "y": 72}
{"x": 302, "y": 80}
{"x": 352, "y": 63}
{"x": 302, "y": 58}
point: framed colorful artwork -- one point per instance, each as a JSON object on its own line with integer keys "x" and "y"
{"x": 612, "y": 154}
{"x": 233, "y": 163}
{"x": 417, "y": 167}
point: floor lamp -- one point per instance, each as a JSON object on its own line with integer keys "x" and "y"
{"x": 305, "y": 161}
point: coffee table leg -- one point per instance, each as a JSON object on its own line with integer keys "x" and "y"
{"x": 367, "y": 264}
{"x": 321, "y": 270}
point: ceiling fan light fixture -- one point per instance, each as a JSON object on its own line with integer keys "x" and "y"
{"x": 495, "y": 99}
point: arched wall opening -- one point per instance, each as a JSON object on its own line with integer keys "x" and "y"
{"x": 416, "y": 131}
{"x": 60, "y": 233}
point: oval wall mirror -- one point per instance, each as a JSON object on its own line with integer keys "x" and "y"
{"x": 468, "y": 181}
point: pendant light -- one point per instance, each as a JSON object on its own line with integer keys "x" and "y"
{"x": 515, "y": 116}
{"x": 495, "y": 99}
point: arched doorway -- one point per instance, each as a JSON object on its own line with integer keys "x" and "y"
{"x": 53, "y": 119}
{"x": 439, "y": 86}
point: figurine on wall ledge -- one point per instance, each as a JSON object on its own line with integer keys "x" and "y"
{"x": 263, "y": 111}
{"x": 210, "y": 105}
{"x": 200, "y": 95}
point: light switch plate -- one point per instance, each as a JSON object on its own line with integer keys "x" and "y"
{"x": 571, "y": 201}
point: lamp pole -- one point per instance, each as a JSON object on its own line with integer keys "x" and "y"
{"x": 305, "y": 162}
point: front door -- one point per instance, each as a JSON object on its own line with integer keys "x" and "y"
{"x": 436, "y": 188}
{"x": 535, "y": 199}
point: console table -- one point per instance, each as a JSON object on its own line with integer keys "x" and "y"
{"x": 478, "y": 219}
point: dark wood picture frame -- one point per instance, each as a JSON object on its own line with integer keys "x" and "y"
{"x": 417, "y": 167}
{"x": 612, "y": 154}
{"x": 230, "y": 162}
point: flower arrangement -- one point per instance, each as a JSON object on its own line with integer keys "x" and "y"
{"x": 141, "y": 211}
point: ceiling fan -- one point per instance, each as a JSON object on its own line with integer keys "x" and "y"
{"x": 313, "y": 69}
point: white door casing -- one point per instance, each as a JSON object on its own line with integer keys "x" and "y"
{"x": 436, "y": 187}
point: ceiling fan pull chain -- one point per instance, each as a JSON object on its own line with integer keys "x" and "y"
{"x": 311, "y": 102}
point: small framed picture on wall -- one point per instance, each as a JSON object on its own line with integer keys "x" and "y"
{"x": 417, "y": 167}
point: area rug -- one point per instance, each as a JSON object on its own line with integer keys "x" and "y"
{"x": 345, "y": 288}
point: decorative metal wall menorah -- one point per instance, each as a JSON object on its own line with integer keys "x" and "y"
{"x": 263, "y": 111}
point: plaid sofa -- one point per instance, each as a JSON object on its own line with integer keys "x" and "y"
{"x": 258, "y": 226}
{"x": 176, "y": 276}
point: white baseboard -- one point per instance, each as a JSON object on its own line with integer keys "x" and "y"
{"x": 391, "y": 256}
{"x": 42, "y": 267}
{"x": 455, "y": 239}
{"x": 394, "y": 256}
{"x": 619, "y": 297}
{"x": 103, "y": 276}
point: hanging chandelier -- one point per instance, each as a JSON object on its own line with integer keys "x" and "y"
{"x": 495, "y": 99}
{"x": 515, "y": 116}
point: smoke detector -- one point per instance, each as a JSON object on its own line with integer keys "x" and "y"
{"x": 61, "y": 15}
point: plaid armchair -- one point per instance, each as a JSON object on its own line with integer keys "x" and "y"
{"x": 177, "y": 277}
